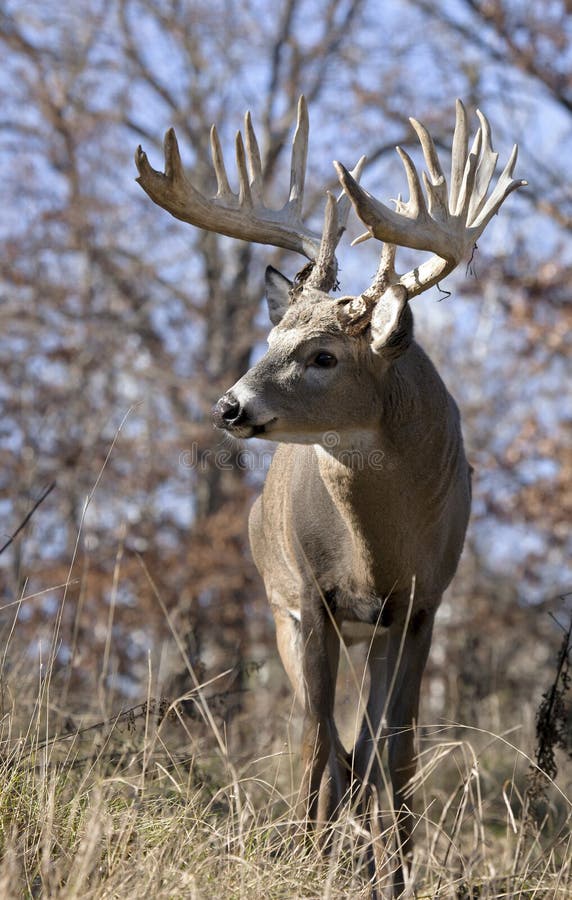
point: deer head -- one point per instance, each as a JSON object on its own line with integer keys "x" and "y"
{"x": 322, "y": 345}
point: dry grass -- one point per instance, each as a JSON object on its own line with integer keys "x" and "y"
{"x": 175, "y": 800}
{"x": 152, "y": 804}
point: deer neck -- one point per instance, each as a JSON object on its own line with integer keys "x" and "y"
{"x": 356, "y": 475}
{"x": 398, "y": 473}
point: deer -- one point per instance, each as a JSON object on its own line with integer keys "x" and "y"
{"x": 361, "y": 523}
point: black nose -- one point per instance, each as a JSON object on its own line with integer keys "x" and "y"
{"x": 228, "y": 411}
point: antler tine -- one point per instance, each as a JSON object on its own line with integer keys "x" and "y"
{"x": 299, "y": 157}
{"x": 173, "y": 163}
{"x": 254, "y": 161}
{"x": 436, "y": 188}
{"x": 505, "y": 186}
{"x": 385, "y": 274}
{"x": 416, "y": 206}
{"x": 447, "y": 226}
{"x": 381, "y": 221}
{"x": 344, "y": 202}
{"x": 223, "y": 187}
{"x": 458, "y": 155}
{"x": 469, "y": 176}
{"x": 159, "y": 184}
{"x": 241, "y": 215}
{"x": 324, "y": 272}
{"x": 485, "y": 169}
{"x": 244, "y": 193}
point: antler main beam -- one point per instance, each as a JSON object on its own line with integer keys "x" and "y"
{"x": 447, "y": 223}
{"x": 240, "y": 215}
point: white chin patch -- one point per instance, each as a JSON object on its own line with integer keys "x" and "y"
{"x": 291, "y": 437}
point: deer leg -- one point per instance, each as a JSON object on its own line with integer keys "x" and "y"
{"x": 336, "y": 780}
{"x": 407, "y": 655}
{"x": 366, "y": 756}
{"x": 369, "y": 745}
{"x": 290, "y": 646}
{"x": 289, "y": 642}
{"x": 320, "y": 741}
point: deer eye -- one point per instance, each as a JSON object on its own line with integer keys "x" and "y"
{"x": 324, "y": 360}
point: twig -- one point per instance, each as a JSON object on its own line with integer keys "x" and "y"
{"x": 27, "y": 518}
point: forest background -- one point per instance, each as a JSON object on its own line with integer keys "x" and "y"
{"x": 121, "y": 326}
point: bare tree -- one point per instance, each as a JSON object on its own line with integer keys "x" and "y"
{"x": 110, "y": 310}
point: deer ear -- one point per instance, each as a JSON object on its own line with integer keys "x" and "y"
{"x": 391, "y": 323}
{"x": 277, "y": 293}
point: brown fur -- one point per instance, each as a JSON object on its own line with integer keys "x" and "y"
{"x": 360, "y": 526}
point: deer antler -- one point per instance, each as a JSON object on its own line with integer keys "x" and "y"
{"x": 244, "y": 215}
{"x": 448, "y": 223}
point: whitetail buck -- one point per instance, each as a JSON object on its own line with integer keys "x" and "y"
{"x": 363, "y": 515}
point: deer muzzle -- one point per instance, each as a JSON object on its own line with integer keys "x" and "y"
{"x": 228, "y": 413}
